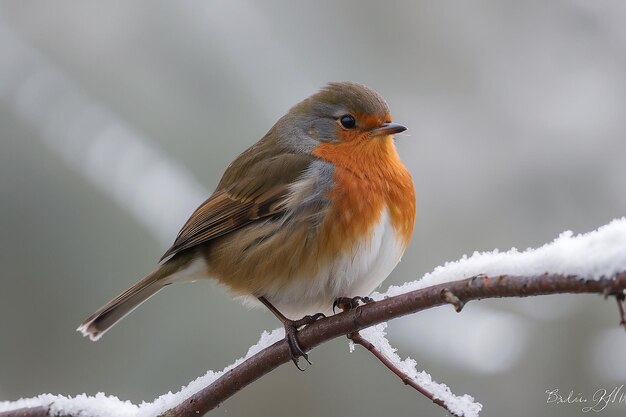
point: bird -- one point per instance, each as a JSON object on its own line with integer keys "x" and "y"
{"x": 318, "y": 212}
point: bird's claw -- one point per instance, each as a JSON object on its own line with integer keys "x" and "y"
{"x": 291, "y": 334}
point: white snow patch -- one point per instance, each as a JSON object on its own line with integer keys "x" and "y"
{"x": 594, "y": 255}
{"x": 460, "y": 405}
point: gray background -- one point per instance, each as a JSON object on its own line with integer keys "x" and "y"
{"x": 517, "y": 132}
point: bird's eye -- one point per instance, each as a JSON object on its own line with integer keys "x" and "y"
{"x": 347, "y": 121}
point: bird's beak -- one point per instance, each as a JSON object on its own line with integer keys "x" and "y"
{"x": 387, "y": 129}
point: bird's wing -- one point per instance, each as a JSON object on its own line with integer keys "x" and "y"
{"x": 253, "y": 187}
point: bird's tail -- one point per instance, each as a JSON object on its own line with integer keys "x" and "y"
{"x": 116, "y": 309}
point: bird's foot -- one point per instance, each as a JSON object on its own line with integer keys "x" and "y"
{"x": 347, "y": 303}
{"x": 291, "y": 334}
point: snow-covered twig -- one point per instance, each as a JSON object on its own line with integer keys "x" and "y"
{"x": 590, "y": 263}
{"x": 373, "y": 339}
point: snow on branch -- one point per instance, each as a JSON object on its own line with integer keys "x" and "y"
{"x": 590, "y": 263}
{"x": 373, "y": 339}
{"x": 594, "y": 255}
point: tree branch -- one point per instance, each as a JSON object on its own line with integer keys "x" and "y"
{"x": 406, "y": 379}
{"x": 475, "y": 288}
{"x": 456, "y": 293}
{"x": 27, "y": 412}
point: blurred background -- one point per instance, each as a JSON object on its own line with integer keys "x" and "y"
{"x": 117, "y": 119}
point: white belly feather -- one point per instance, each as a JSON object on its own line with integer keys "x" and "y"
{"x": 354, "y": 274}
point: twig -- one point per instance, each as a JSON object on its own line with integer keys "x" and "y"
{"x": 407, "y": 380}
{"x": 367, "y": 315}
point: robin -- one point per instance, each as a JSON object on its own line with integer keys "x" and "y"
{"x": 319, "y": 211}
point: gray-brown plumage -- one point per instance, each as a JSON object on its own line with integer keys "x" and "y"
{"x": 313, "y": 211}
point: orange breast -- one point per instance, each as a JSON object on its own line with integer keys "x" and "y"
{"x": 369, "y": 176}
